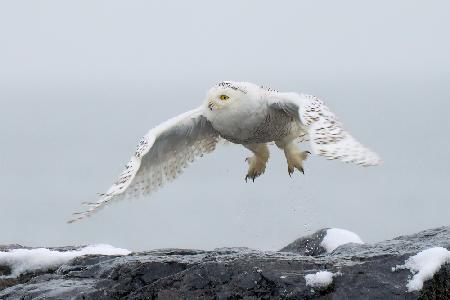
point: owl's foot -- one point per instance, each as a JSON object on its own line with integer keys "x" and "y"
{"x": 257, "y": 162}
{"x": 256, "y": 167}
{"x": 295, "y": 159}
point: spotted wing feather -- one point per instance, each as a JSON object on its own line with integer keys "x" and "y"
{"x": 161, "y": 156}
{"x": 325, "y": 133}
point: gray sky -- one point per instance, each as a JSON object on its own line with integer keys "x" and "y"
{"x": 82, "y": 81}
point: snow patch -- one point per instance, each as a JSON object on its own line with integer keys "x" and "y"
{"x": 320, "y": 279}
{"x": 23, "y": 260}
{"x": 336, "y": 237}
{"x": 424, "y": 265}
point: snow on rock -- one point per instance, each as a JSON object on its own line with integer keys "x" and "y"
{"x": 424, "y": 265}
{"x": 320, "y": 279}
{"x": 23, "y": 260}
{"x": 336, "y": 237}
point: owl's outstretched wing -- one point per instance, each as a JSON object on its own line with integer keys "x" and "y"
{"x": 161, "y": 156}
{"x": 326, "y": 134}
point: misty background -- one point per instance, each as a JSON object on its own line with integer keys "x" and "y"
{"x": 82, "y": 81}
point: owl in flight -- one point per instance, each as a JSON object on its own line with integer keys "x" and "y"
{"x": 242, "y": 113}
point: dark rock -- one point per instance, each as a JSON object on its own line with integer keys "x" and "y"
{"x": 439, "y": 286}
{"x": 5, "y": 270}
{"x": 365, "y": 272}
{"x": 308, "y": 245}
{"x": 12, "y": 246}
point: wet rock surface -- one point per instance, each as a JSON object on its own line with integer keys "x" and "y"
{"x": 308, "y": 245}
{"x": 361, "y": 272}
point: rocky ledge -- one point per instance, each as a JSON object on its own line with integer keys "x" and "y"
{"x": 308, "y": 268}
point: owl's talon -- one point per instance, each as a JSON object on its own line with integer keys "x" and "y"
{"x": 257, "y": 162}
{"x": 256, "y": 167}
{"x": 252, "y": 177}
{"x": 295, "y": 159}
{"x": 290, "y": 172}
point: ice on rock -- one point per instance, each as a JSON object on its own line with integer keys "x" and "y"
{"x": 336, "y": 237}
{"x": 321, "y": 279}
{"x": 23, "y": 260}
{"x": 424, "y": 265}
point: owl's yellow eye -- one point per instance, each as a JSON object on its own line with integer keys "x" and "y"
{"x": 223, "y": 97}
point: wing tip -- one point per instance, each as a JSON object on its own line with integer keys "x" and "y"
{"x": 368, "y": 160}
{"x": 78, "y": 216}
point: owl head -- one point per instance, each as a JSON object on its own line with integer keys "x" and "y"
{"x": 225, "y": 95}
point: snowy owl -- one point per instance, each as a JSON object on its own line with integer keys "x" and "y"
{"x": 242, "y": 113}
